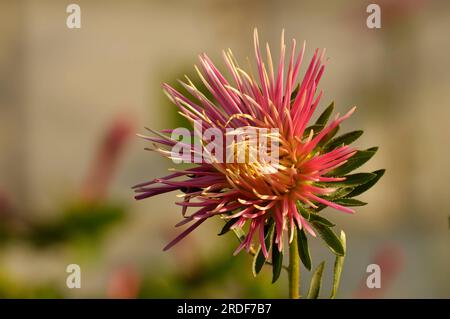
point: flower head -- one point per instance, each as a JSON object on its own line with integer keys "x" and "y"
{"x": 258, "y": 194}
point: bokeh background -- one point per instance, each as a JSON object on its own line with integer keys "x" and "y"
{"x": 72, "y": 100}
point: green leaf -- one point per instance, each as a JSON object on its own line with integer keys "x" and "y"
{"x": 323, "y": 118}
{"x": 340, "y": 192}
{"x": 226, "y": 228}
{"x": 330, "y": 238}
{"x": 239, "y": 233}
{"x": 295, "y": 92}
{"x": 362, "y": 188}
{"x": 349, "y": 202}
{"x": 259, "y": 259}
{"x": 258, "y": 262}
{"x": 357, "y": 179}
{"x": 303, "y": 249}
{"x": 338, "y": 265}
{"x": 316, "y": 282}
{"x": 302, "y": 210}
{"x": 344, "y": 139}
{"x": 319, "y": 208}
{"x": 277, "y": 260}
{"x": 314, "y": 218}
{"x": 353, "y": 180}
{"x": 354, "y": 162}
{"x": 327, "y": 137}
{"x": 316, "y": 128}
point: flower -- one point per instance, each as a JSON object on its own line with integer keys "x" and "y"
{"x": 96, "y": 184}
{"x": 305, "y": 177}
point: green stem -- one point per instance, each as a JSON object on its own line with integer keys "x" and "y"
{"x": 294, "y": 269}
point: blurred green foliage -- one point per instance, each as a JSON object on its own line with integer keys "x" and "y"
{"x": 13, "y": 288}
{"x": 78, "y": 220}
{"x": 219, "y": 276}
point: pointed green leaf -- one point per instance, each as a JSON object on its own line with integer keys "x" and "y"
{"x": 338, "y": 265}
{"x": 295, "y": 92}
{"x": 344, "y": 139}
{"x": 328, "y": 137}
{"x": 349, "y": 202}
{"x": 312, "y": 216}
{"x": 259, "y": 259}
{"x": 316, "y": 128}
{"x": 354, "y": 162}
{"x": 340, "y": 192}
{"x": 357, "y": 179}
{"x": 362, "y": 188}
{"x": 226, "y": 228}
{"x": 321, "y": 220}
{"x": 319, "y": 208}
{"x": 239, "y": 233}
{"x": 277, "y": 260}
{"x": 323, "y": 118}
{"x": 303, "y": 248}
{"x": 302, "y": 210}
{"x": 330, "y": 238}
{"x": 316, "y": 282}
{"x": 353, "y": 180}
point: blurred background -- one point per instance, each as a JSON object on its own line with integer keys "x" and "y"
{"x": 72, "y": 100}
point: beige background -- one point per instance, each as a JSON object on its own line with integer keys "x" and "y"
{"x": 60, "y": 88}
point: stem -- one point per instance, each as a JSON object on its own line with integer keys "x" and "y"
{"x": 294, "y": 268}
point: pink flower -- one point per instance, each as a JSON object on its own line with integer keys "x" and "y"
{"x": 247, "y": 193}
{"x": 98, "y": 180}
